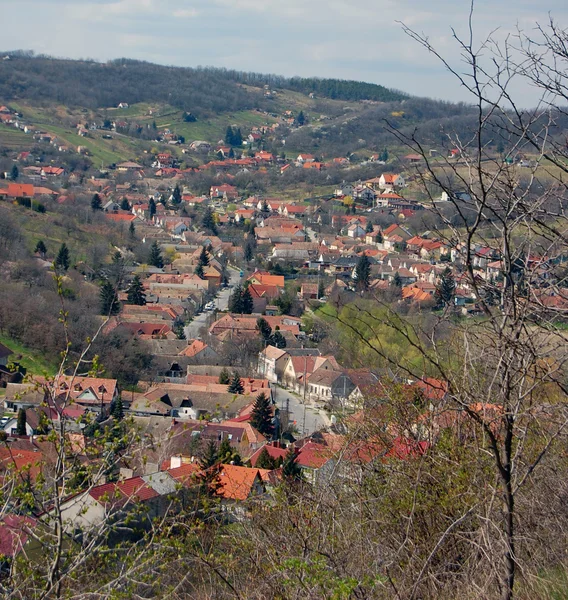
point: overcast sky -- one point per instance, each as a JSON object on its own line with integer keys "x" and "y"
{"x": 348, "y": 39}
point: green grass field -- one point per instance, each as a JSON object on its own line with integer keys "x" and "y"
{"x": 36, "y": 363}
{"x": 14, "y": 139}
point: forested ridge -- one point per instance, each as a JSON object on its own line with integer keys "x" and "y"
{"x": 201, "y": 90}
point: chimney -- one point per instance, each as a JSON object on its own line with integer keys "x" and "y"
{"x": 175, "y": 461}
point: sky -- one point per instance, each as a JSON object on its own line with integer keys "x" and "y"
{"x": 348, "y": 39}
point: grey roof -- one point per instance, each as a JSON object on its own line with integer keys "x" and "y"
{"x": 4, "y": 351}
{"x": 161, "y": 482}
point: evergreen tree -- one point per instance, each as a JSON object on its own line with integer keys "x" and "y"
{"x": 248, "y": 303}
{"x": 132, "y": 230}
{"x": 236, "y": 384}
{"x": 249, "y": 252}
{"x": 109, "y": 299}
{"x": 21, "y": 422}
{"x": 264, "y": 328}
{"x": 208, "y": 221}
{"x": 41, "y": 248}
{"x": 265, "y": 461}
{"x": 125, "y": 205}
{"x": 396, "y": 280}
{"x": 369, "y": 228}
{"x": 155, "y": 257}
{"x": 277, "y": 340}
{"x": 152, "y": 207}
{"x": 446, "y": 288}
{"x": 62, "y": 261}
{"x": 261, "y": 416}
{"x": 163, "y": 200}
{"x": 15, "y": 173}
{"x": 179, "y": 331}
{"x": 224, "y": 377}
{"x": 301, "y": 119}
{"x": 236, "y": 300}
{"x": 96, "y": 203}
{"x": 321, "y": 290}
{"x": 379, "y": 237}
{"x": 117, "y": 410}
{"x": 176, "y": 196}
{"x": 199, "y": 271}
{"x": 204, "y": 257}
{"x": 291, "y": 470}
{"x": 229, "y": 136}
{"x": 225, "y": 452}
{"x": 136, "y": 292}
{"x": 210, "y": 457}
{"x": 363, "y": 272}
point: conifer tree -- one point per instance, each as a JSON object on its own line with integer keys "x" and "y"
{"x": 125, "y": 205}
{"x": 248, "y": 303}
{"x": 379, "y": 237}
{"x": 369, "y": 228}
{"x": 152, "y": 207}
{"x": 446, "y": 288}
{"x": 62, "y": 261}
{"x": 363, "y": 272}
{"x": 265, "y": 461}
{"x": 15, "y": 173}
{"x": 21, "y": 422}
{"x": 155, "y": 257}
{"x": 261, "y": 416}
{"x": 41, "y": 248}
{"x": 225, "y": 452}
{"x": 176, "y": 196}
{"x": 396, "y": 280}
{"x": 109, "y": 299}
{"x": 291, "y": 470}
{"x": 204, "y": 257}
{"x": 208, "y": 221}
{"x": 210, "y": 457}
{"x": 236, "y": 384}
{"x": 132, "y": 230}
{"x": 96, "y": 203}
{"x": 136, "y": 292}
{"x": 199, "y": 271}
{"x": 236, "y": 300}
{"x": 224, "y": 377}
{"x": 118, "y": 410}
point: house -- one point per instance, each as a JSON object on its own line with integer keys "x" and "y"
{"x": 298, "y": 368}
{"x": 265, "y": 278}
{"x": 355, "y": 231}
{"x": 309, "y": 291}
{"x": 391, "y": 181}
{"x": 200, "y": 353}
{"x": 304, "y": 158}
{"x": 10, "y": 371}
{"x": 272, "y": 362}
{"x": 329, "y": 385}
{"x": 225, "y": 191}
{"x": 129, "y": 166}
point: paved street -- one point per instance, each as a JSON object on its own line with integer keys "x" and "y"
{"x": 308, "y": 418}
{"x": 221, "y": 302}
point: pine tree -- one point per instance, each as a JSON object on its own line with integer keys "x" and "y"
{"x": 363, "y": 273}
{"x": 132, "y": 230}
{"x": 277, "y": 340}
{"x": 236, "y": 385}
{"x": 151, "y": 208}
{"x": 204, "y": 257}
{"x": 261, "y": 416}
{"x": 321, "y": 290}
{"x": 109, "y": 299}
{"x": 155, "y": 257}
{"x": 41, "y": 248}
{"x": 379, "y": 237}
{"x": 225, "y": 452}
{"x": 125, "y": 205}
{"x": 229, "y": 136}
{"x": 136, "y": 292}
{"x": 224, "y": 377}
{"x": 96, "y": 203}
{"x": 396, "y": 280}
{"x": 265, "y": 461}
{"x": 248, "y": 303}
{"x": 199, "y": 271}
{"x": 208, "y": 221}
{"x": 210, "y": 457}
{"x": 117, "y": 410}
{"x": 264, "y": 328}
{"x": 62, "y": 261}
{"x": 21, "y": 422}
{"x": 301, "y": 119}
{"x": 236, "y": 300}
{"x": 446, "y": 288}
{"x": 369, "y": 228}
{"x": 15, "y": 173}
{"x": 291, "y": 470}
{"x": 176, "y": 196}
{"x": 249, "y": 252}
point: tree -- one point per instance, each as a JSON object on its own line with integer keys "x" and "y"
{"x": 151, "y": 207}
{"x": 155, "y": 257}
{"x": 236, "y": 384}
{"x": 204, "y": 257}
{"x": 379, "y": 237}
{"x": 225, "y": 451}
{"x": 261, "y": 416}
{"x": 363, "y": 272}
{"x": 199, "y": 271}
{"x": 210, "y": 457}
{"x": 396, "y": 280}
{"x": 248, "y": 304}
{"x": 277, "y": 340}
{"x": 14, "y": 173}
{"x": 264, "y": 328}
{"x": 117, "y": 410}
{"x": 96, "y": 203}
{"x": 136, "y": 293}
{"x": 224, "y": 377}
{"x": 446, "y": 288}
{"x": 291, "y": 470}
{"x": 21, "y": 422}
{"x": 176, "y": 196}
{"x": 40, "y": 248}
{"x": 369, "y": 227}
{"x": 125, "y": 205}
{"x": 301, "y": 119}
{"x": 236, "y": 300}
{"x": 208, "y": 221}
{"x": 62, "y": 261}
{"x": 265, "y": 461}
{"x": 109, "y": 299}
{"x": 132, "y": 230}
{"x": 249, "y": 251}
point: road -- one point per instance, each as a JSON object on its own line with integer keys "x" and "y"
{"x": 308, "y": 417}
{"x": 221, "y": 302}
